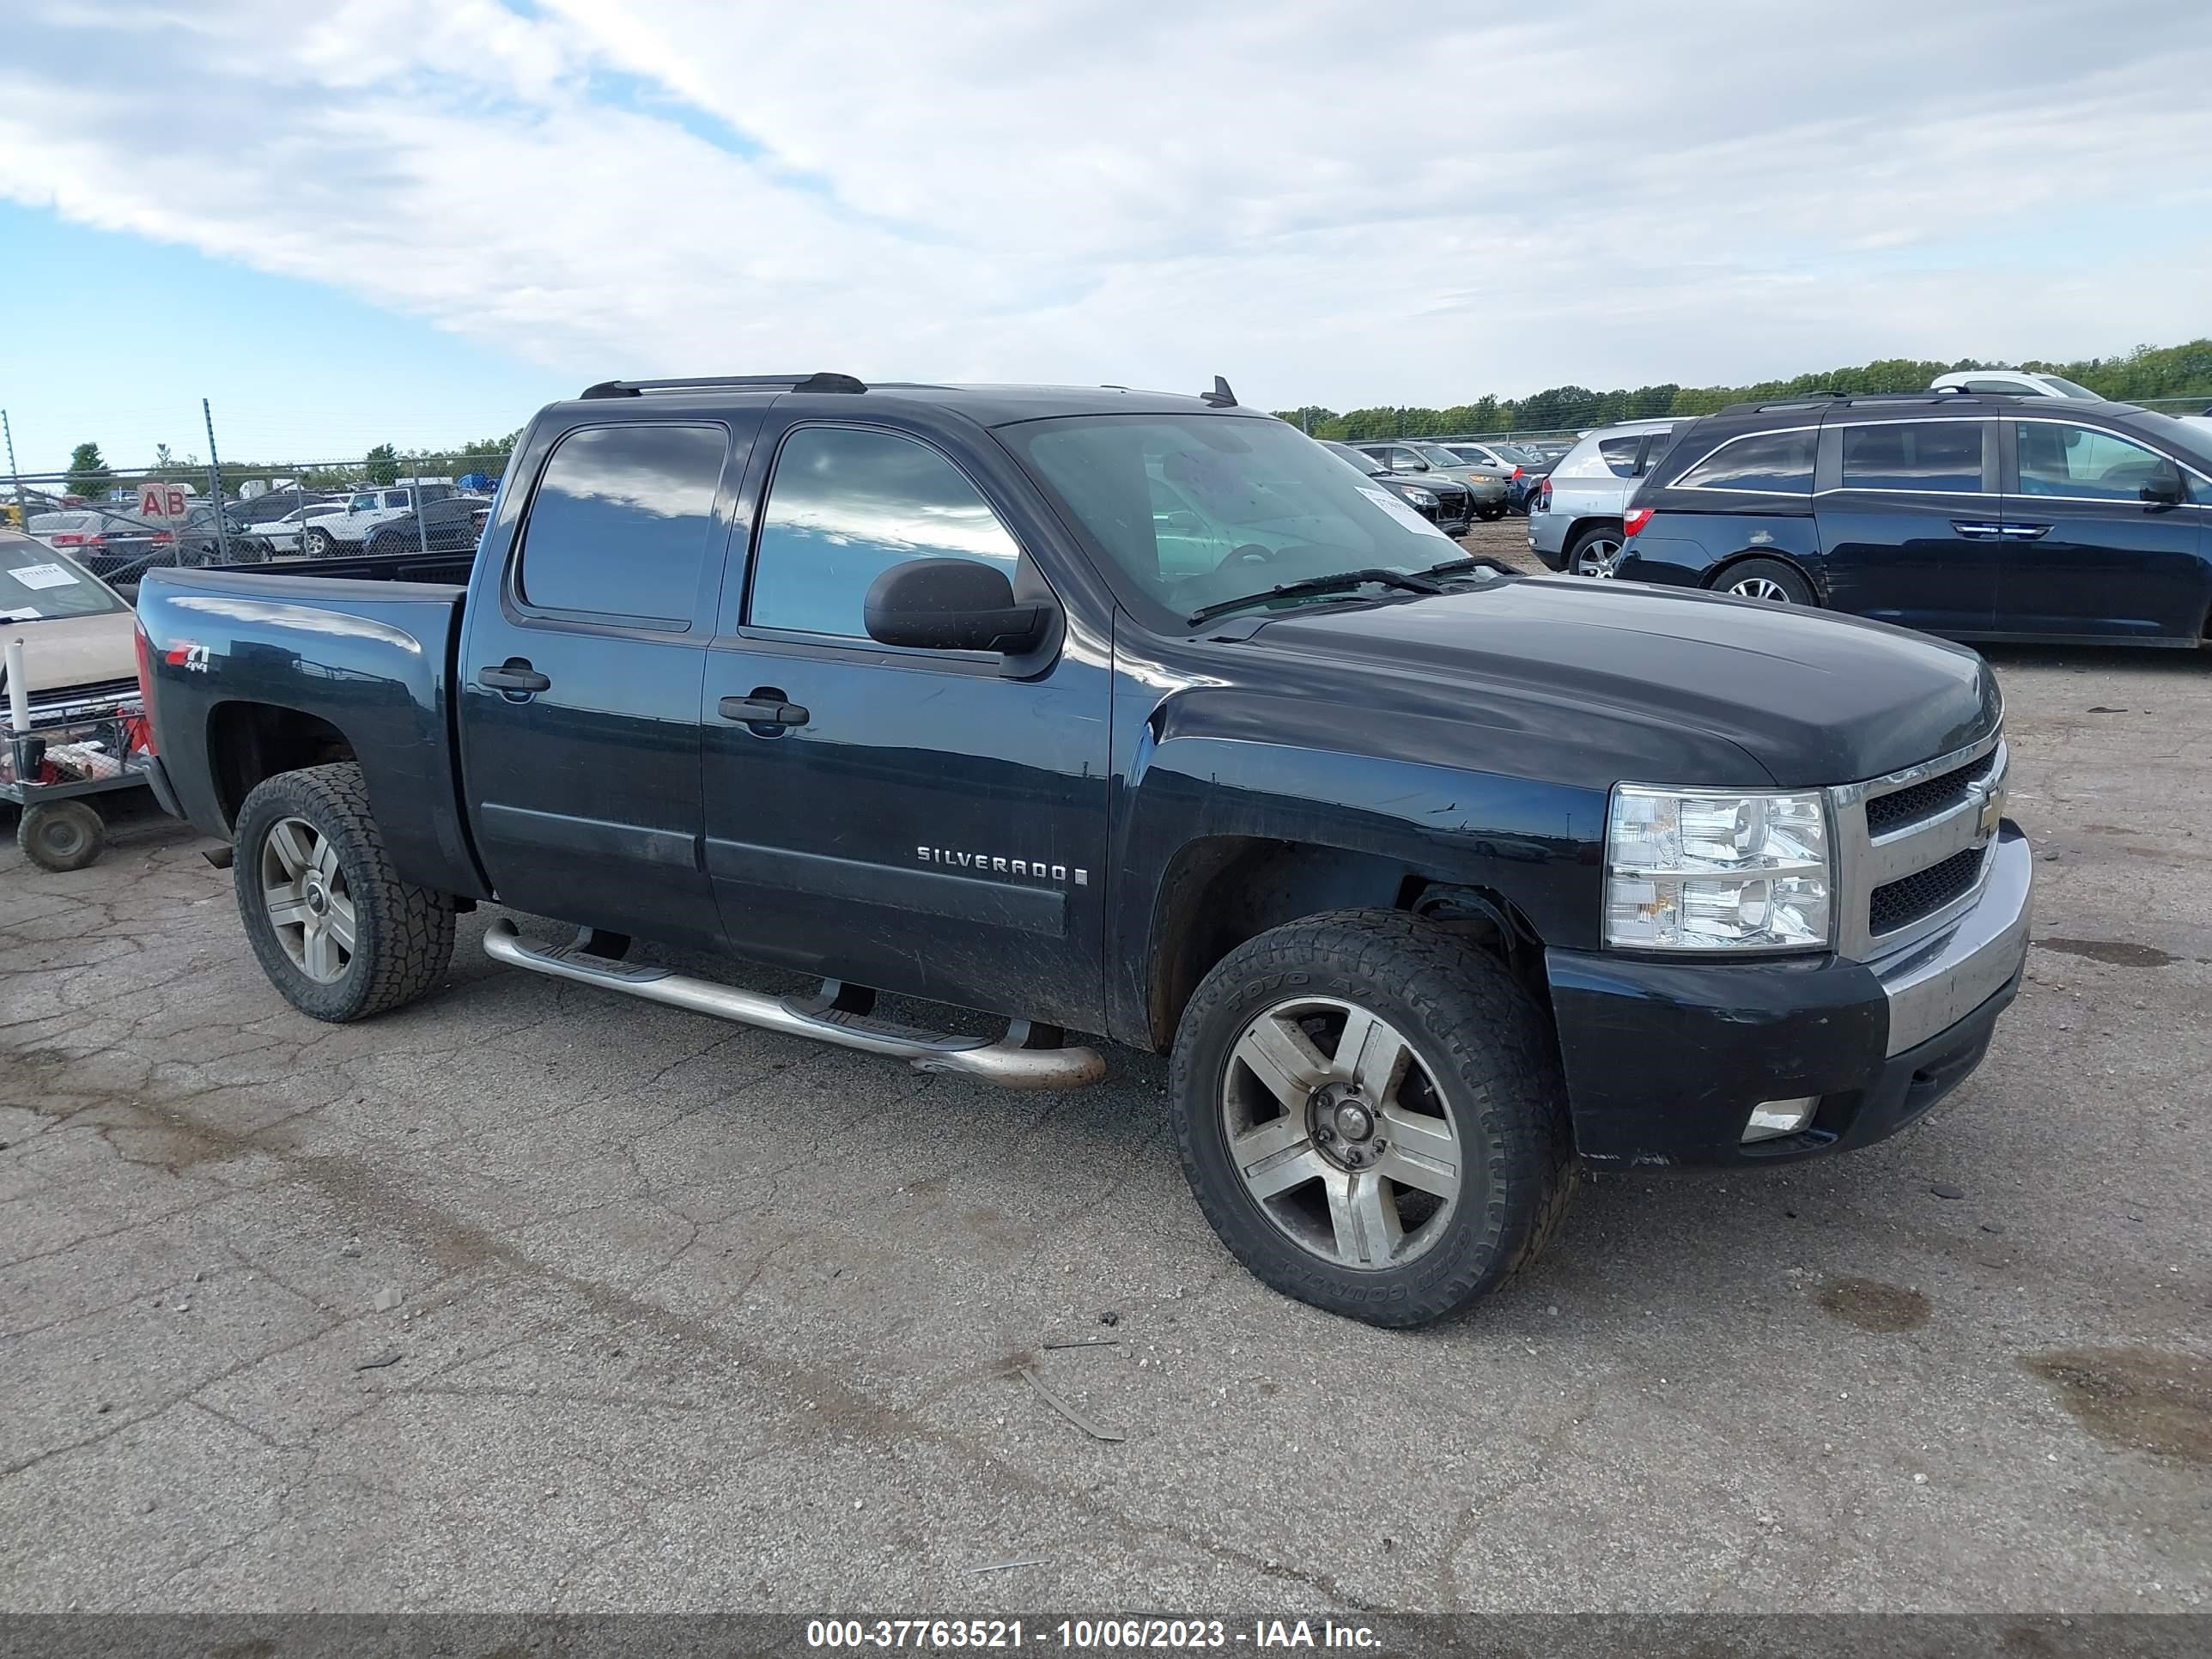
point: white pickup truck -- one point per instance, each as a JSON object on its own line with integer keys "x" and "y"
{"x": 367, "y": 509}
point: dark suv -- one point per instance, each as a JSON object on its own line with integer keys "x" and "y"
{"x": 1975, "y": 516}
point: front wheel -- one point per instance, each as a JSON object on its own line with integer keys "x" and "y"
{"x": 1767, "y": 579}
{"x": 321, "y": 544}
{"x": 1371, "y": 1116}
{"x": 1490, "y": 514}
{"x": 337, "y": 932}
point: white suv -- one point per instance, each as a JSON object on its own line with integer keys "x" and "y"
{"x": 2011, "y": 382}
{"x": 1575, "y": 514}
{"x": 364, "y": 512}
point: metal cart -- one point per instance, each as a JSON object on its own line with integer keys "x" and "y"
{"x": 53, "y": 770}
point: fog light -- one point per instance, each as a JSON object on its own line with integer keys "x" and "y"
{"x": 1774, "y": 1118}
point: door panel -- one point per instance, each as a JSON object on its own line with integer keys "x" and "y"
{"x": 916, "y": 822}
{"x": 580, "y": 691}
{"x": 1909, "y": 515}
{"x": 2085, "y": 555}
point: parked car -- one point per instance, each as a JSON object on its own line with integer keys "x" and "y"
{"x": 1433, "y": 878}
{"x": 77, "y": 633}
{"x": 131, "y": 548}
{"x": 2013, "y": 383}
{"x": 73, "y": 527}
{"x": 1418, "y": 460}
{"x": 443, "y": 527}
{"x": 364, "y": 511}
{"x": 1976, "y": 518}
{"x": 283, "y": 534}
{"x": 1525, "y": 470}
{"x": 1574, "y": 515}
{"x": 1445, "y": 503}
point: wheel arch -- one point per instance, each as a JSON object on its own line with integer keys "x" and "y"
{"x": 1219, "y": 891}
{"x": 248, "y": 743}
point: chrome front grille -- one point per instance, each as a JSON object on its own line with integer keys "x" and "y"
{"x": 1913, "y": 849}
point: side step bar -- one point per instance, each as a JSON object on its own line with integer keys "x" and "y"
{"x": 1027, "y": 1057}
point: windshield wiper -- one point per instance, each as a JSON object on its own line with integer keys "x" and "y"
{"x": 1461, "y": 567}
{"x": 1406, "y": 581}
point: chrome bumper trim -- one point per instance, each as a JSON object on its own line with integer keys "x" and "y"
{"x": 1936, "y": 983}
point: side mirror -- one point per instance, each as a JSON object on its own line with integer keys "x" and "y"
{"x": 951, "y": 604}
{"x": 2163, "y": 492}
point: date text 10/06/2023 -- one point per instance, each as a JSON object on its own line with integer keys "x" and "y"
{"x": 1088, "y": 1635}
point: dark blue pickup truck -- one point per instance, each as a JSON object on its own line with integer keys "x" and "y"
{"x": 1142, "y": 715}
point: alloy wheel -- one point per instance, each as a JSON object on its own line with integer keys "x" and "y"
{"x": 1600, "y": 557}
{"x": 1336, "y": 1127}
{"x": 1760, "y": 587}
{"x": 309, "y": 908}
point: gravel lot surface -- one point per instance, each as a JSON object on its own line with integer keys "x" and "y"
{"x": 530, "y": 1297}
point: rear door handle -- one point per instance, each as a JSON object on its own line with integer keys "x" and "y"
{"x": 513, "y": 674}
{"x": 764, "y": 711}
{"x": 1974, "y": 531}
{"x": 2025, "y": 532}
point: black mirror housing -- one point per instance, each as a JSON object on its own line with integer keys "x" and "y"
{"x": 2163, "y": 492}
{"x": 951, "y": 605}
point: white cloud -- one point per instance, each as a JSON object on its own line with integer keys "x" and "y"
{"x": 1323, "y": 205}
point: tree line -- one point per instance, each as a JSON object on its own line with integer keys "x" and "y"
{"x": 2147, "y": 372}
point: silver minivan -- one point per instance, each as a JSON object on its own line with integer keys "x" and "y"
{"x": 1574, "y": 517}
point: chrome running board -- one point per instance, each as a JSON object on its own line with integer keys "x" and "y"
{"x": 1029, "y": 1056}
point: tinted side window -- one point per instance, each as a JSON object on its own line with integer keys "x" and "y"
{"x": 1656, "y": 451}
{"x": 618, "y": 525}
{"x": 1620, "y": 454}
{"x": 845, "y": 505}
{"x": 1766, "y": 463}
{"x": 1944, "y": 455}
{"x": 2086, "y": 464}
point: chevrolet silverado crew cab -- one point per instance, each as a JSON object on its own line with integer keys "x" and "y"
{"x": 1114, "y": 712}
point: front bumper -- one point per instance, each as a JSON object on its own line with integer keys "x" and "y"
{"x": 1665, "y": 1060}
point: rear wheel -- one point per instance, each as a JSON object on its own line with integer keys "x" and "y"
{"x": 1596, "y": 552}
{"x": 61, "y": 834}
{"x": 1371, "y": 1116}
{"x": 337, "y": 932}
{"x": 1767, "y": 579}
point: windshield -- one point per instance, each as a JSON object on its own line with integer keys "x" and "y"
{"x": 2190, "y": 440}
{"x": 2067, "y": 388}
{"x": 1193, "y": 509}
{"x": 1437, "y": 455}
{"x": 37, "y": 584}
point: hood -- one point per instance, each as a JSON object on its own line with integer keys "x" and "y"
{"x": 1811, "y": 698}
{"x": 61, "y": 652}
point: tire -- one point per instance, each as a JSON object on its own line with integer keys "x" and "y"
{"x": 309, "y": 834}
{"x": 1766, "y": 578}
{"x": 1595, "y": 551}
{"x": 1490, "y": 514}
{"x": 61, "y": 834}
{"x": 319, "y": 542}
{"x": 1478, "y": 1091}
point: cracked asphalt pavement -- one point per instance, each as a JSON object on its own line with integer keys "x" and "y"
{"x": 529, "y": 1298}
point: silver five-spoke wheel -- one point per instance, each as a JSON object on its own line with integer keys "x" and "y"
{"x": 1337, "y": 1130}
{"x": 1600, "y": 557}
{"x": 1760, "y": 587}
{"x": 309, "y": 908}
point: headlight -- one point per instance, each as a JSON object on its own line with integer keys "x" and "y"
{"x": 1704, "y": 870}
{"x": 1420, "y": 497}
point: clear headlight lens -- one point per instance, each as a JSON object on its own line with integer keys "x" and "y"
{"x": 1699, "y": 870}
{"x": 1420, "y": 497}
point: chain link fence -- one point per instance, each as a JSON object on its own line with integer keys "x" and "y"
{"x": 119, "y": 522}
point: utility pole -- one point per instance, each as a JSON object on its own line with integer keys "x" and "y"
{"x": 214, "y": 483}
{"x": 23, "y": 511}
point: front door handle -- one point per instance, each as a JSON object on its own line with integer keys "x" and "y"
{"x": 764, "y": 711}
{"x": 2025, "y": 532}
{"x": 515, "y": 674}
{"x": 1975, "y": 531}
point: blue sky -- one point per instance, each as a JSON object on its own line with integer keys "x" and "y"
{"x": 413, "y": 220}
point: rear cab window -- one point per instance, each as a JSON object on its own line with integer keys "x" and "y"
{"x": 619, "y": 524}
